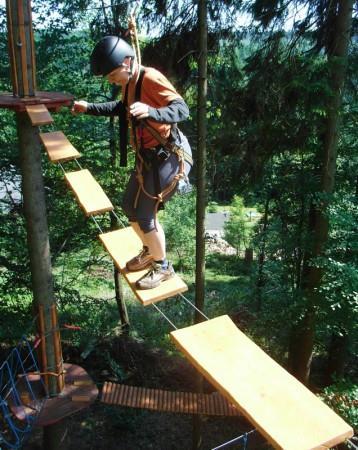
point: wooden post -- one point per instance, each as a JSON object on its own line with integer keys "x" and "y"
{"x": 201, "y": 193}
{"x": 21, "y": 47}
{"x": 22, "y": 61}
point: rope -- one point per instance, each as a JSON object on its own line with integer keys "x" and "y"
{"x": 132, "y": 27}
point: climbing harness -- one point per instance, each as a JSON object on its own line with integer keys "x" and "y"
{"x": 153, "y": 157}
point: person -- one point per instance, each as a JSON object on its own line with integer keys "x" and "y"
{"x": 153, "y": 107}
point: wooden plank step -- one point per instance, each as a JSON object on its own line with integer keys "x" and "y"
{"x": 289, "y": 415}
{"x": 58, "y": 147}
{"x": 88, "y": 192}
{"x": 123, "y": 245}
{"x": 167, "y": 401}
{"x": 39, "y": 115}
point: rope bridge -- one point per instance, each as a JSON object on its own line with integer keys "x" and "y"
{"x": 19, "y": 400}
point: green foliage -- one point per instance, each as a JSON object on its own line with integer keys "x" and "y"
{"x": 342, "y": 396}
{"x": 179, "y": 224}
{"x": 213, "y": 207}
{"x": 235, "y": 229}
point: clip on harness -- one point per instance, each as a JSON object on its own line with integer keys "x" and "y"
{"x": 170, "y": 146}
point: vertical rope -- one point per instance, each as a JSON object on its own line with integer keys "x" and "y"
{"x": 133, "y": 33}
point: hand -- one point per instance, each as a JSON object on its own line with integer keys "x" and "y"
{"x": 139, "y": 110}
{"x": 79, "y": 107}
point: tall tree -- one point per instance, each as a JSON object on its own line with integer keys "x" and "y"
{"x": 338, "y": 27}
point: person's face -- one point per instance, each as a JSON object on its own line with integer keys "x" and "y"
{"x": 121, "y": 74}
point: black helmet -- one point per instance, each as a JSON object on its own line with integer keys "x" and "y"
{"x": 108, "y": 54}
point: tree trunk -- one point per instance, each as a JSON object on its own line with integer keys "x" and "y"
{"x": 337, "y": 355}
{"x": 261, "y": 258}
{"x": 249, "y": 256}
{"x": 118, "y": 287}
{"x": 39, "y": 248}
{"x": 302, "y": 339}
{"x": 201, "y": 193}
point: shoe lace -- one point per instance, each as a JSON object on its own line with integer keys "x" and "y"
{"x": 142, "y": 253}
{"x": 153, "y": 270}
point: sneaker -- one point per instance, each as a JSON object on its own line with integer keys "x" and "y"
{"x": 155, "y": 276}
{"x": 141, "y": 261}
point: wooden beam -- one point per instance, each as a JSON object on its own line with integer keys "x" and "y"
{"x": 289, "y": 415}
{"x": 88, "y": 192}
{"x": 39, "y": 115}
{"x": 123, "y": 245}
{"x": 58, "y": 147}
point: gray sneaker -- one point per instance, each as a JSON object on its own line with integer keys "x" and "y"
{"x": 155, "y": 276}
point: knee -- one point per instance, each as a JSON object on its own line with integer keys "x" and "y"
{"x": 146, "y": 225}
{"x": 129, "y": 210}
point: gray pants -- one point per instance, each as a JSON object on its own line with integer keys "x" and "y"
{"x": 144, "y": 213}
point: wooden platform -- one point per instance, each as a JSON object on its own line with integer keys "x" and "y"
{"x": 58, "y": 147}
{"x": 39, "y": 115}
{"x": 88, "y": 192}
{"x": 167, "y": 401}
{"x": 289, "y": 415}
{"x": 123, "y": 245}
{"x": 52, "y": 100}
{"x": 79, "y": 392}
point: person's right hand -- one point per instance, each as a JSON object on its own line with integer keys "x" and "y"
{"x": 79, "y": 107}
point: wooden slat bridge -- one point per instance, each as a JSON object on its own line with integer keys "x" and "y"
{"x": 167, "y": 401}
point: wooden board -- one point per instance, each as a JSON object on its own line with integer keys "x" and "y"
{"x": 88, "y": 192}
{"x": 39, "y": 115}
{"x": 123, "y": 245}
{"x": 58, "y": 147}
{"x": 168, "y": 401}
{"x": 289, "y": 415}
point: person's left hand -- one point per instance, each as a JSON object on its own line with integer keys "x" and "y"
{"x": 139, "y": 110}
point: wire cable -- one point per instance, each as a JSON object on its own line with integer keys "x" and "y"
{"x": 167, "y": 318}
{"x": 95, "y": 221}
{"x": 192, "y": 304}
{"x": 243, "y": 437}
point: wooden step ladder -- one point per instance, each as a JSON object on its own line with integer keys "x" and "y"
{"x": 88, "y": 192}
{"x": 39, "y": 115}
{"x": 58, "y": 147}
{"x": 289, "y": 415}
{"x": 123, "y": 245}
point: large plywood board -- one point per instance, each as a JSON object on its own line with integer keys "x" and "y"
{"x": 289, "y": 415}
{"x": 58, "y": 147}
{"x": 88, "y": 192}
{"x": 123, "y": 245}
{"x": 39, "y": 115}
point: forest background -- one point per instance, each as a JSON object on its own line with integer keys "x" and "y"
{"x": 282, "y": 140}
